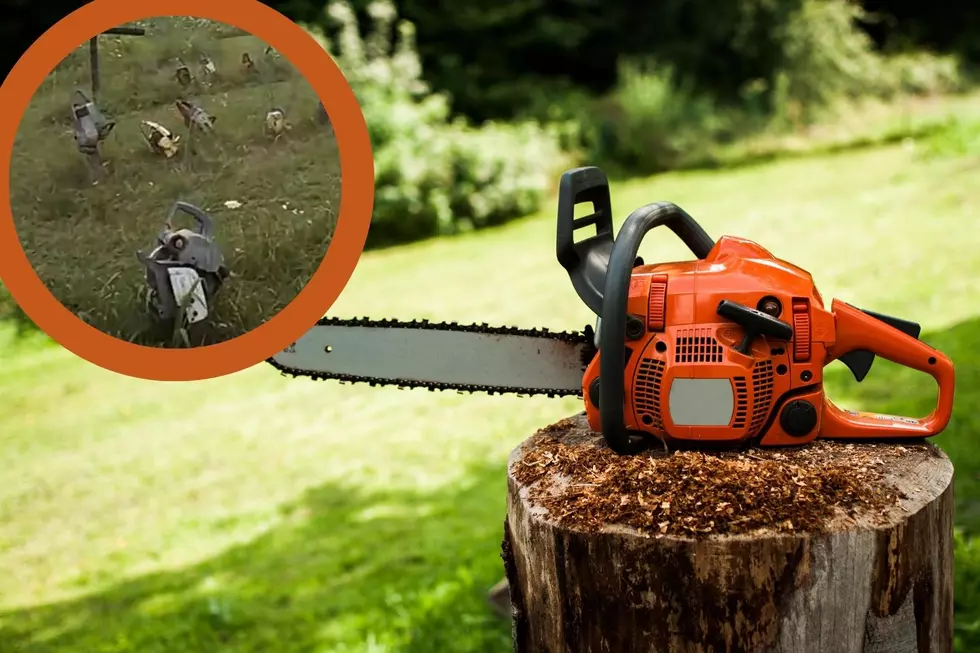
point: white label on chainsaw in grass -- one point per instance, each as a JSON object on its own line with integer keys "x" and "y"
{"x": 189, "y": 293}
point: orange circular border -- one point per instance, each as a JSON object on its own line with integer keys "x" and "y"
{"x": 356, "y": 201}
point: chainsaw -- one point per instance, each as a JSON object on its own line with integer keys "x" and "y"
{"x": 186, "y": 268}
{"x": 194, "y": 116}
{"x": 728, "y": 348}
{"x": 160, "y": 139}
{"x": 91, "y": 128}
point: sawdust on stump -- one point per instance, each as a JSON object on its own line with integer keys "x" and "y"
{"x": 583, "y": 485}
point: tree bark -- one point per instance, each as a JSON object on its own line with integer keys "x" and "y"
{"x": 868, "y": 578}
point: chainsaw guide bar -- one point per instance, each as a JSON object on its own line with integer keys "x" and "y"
{"x": 555, "y": 360}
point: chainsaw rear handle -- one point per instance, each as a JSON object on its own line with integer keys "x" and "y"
{"x": 612, "y": 336}
{"x": 856, "y": 331}
{"x": 205, "y": 225}
{"x": 588, "y": 260}
{"x": 585, "y": 261}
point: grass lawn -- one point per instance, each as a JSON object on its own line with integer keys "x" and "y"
{"x": 256, "y": 512}
{"x": 82, "y": 238}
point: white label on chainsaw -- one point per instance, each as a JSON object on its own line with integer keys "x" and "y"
{"x": 701, "y": 402}
{"x": 189, "y": 293}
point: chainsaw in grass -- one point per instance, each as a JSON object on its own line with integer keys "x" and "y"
{"x": 185, "y": 269}
{"x": 727, "y": 348}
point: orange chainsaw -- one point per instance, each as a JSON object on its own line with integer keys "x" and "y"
{"x": 727, "y": 348}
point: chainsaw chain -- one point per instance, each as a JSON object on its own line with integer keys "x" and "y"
{"x": 585, "y": 337}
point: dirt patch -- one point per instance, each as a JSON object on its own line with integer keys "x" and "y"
{"x": 569, "y": 471}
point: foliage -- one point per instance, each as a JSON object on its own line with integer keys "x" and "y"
{"x": 923, "y": 73}
{"x": 495, "y": 60}
{"x": 654, "y": 122}
{"x": 656, "y": 119}
{"x": 827, "y": 58}
{"x": 11, "y": 314}
{"x": 961, "y": 138}
{"x": 966, "y": 592}
{"x": 434, "y": 174}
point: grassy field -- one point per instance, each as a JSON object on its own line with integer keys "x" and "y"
{"x": 82, "y": 238}
{"x": 256, "y": 512}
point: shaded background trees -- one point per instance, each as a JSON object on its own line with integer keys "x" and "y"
{"x": 636, "y": 88}
{"x": 495, "y": 58}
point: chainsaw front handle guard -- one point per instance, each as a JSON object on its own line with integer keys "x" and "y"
{"x": 860, "y": 331}
{"x": 205, "y": 225}
{"x": 612, "y": 336}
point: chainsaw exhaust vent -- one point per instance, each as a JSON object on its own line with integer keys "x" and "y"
{"x": 697, "y": 346}
{"x": 649, "y": 375}
{"x": 761, "y": 394}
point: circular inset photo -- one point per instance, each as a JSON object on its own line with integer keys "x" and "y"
{"x": 175, "y": 182}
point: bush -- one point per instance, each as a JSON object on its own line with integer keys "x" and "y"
{"x": 923, "y": 73}
{"x": 828, "y": 58}
{"x": 434, "y": 175}
{"x": 12, "y": 313}
{"x": 657, "y": 119}
{"x": 496, "y": 59}
{"x": 966, "y": 580}
{"x": 959, "y": 137}
{"x": 653, "y": 122}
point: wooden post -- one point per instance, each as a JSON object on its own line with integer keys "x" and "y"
{"x": 835, "y": 547}
{"x": 93, "y": 55}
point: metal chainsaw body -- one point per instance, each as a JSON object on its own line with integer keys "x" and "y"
{"x": 186, "y": 268}
{"x": 160, "y": 139}
{"x": 726, "y": 348}
{"x": 91, "y": 128}
{"x": 195, "y": 117}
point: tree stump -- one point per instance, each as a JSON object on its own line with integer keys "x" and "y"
{"x": 831, "y": 548}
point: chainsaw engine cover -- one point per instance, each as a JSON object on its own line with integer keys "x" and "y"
{"x": 185, "y": 271}
{"x": 91, "y": 126}
{"x": 692, "y": 374}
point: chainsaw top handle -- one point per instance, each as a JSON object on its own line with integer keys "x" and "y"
{"x": 615, "y": 295}
{"x": 205, "y": 226}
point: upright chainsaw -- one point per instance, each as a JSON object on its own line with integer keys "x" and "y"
{"x": 185, "y": 270}
{"x": 727, "y": 348}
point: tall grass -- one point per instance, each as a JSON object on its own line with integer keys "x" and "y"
{"x": 82, "y": 237}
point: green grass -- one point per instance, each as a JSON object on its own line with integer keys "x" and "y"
{"x": 256, "y": 512}
{"x": 851, "y": 126}
{"x": 82, "y": 238}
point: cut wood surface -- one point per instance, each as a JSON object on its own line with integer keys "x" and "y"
{"x": 832, "y": 548}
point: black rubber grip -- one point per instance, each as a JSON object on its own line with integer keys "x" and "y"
{"x": 585, "y": 261}
{"x": 612, "y": 335}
